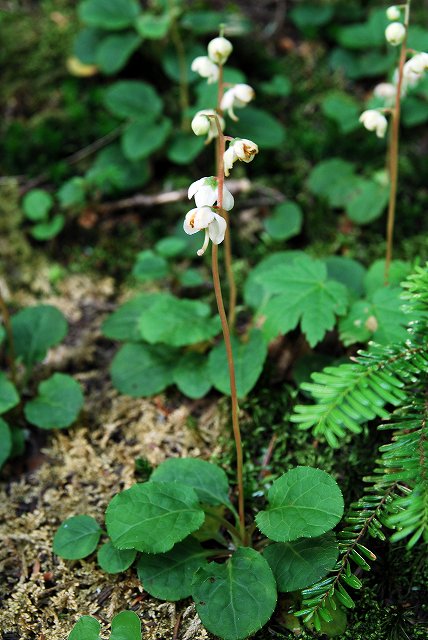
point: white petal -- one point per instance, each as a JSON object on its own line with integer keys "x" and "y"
{"x": 227, "y": 100}
{"x": 194, "y": 187}
{"x": 229, "y": 158}
{"x": 203, "y": 217}
{"x": 189, "y": 223}
{"x": 217, "y": 229}
{"x": 205, "y": 196}
{"x": 228, "y": 199}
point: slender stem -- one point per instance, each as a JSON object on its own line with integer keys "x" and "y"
{"x": 227, "y": 238}
{"x": 393, "y": 150}
{"x": 226, "y": 524}
{"x": 9, "y": 333}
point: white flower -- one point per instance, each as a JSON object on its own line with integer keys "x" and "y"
{"x": 395, "y": 33}
{"x": 374, "y": 121}
{"x": 387, "y": 91}
{"x": 239, "y": 96}
{"x": 416, "y": 66}
{"x": 206, "y": 68}
{"x": 393, "y": 13}
{"x": 205, "y": 192}
{"x": 202, "y": 124}
{"x": 219, "y": 50}
{"x": 239, "y": 149}
{"x": 205, "y": 218}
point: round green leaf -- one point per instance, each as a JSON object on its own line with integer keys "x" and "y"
{"x": 72, "y": 193}
{"x": 126, "y": 626}
{"x": 208, "y": 480}
{"x": 114, "y": 51}
{"x": 298, "y": 564}
{"x": 367, "y": 202}
{"x": 347, "y": 271}
{"x": 35, "y": 330}
{"x": 260, "y": 127}
{"x": 114, "y": 560}
{"x": 150, "y": 266}
{"x": 142, "y": 138}
{"x": 86, "y": 628}
{"x": 326, "y": 174}
{"x": 9, "y": 397}
{"x": 184, "y": 148}
{"x": 279, "y": 85}
{"x": 112, "y": 171}
{"x": 5, "y": 442}
{"x": 57, "y": 404}
{"x": 178, "y": 322}
{"x": 191, "y": 374}
{"x": 171, "y": 63}
{"x": 303, "y": 503}
{"x": 171, "y": 247}
{"x": 106, "y": 14}
{"x": 375, "y": 276}
{"x": 50, "y": 229}
{"x": 169, "y": 575}
{"x": 133, "y": 99}
{"x": 153, "y": 517}
{"x": 123, "y": 324}
{"x": 248, "y": 357}
{"x": 285, "y": 222}
{"x": 86, "y": 44}
{"x": 152, "y": 26}
{"x": 343, "y": 109}
{"x": 141, "y": 370}
{"x": 237, "y": 598}
{"x": 77, "y": 538}
{"x": 37, "y": 204}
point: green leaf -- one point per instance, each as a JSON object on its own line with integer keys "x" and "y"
{"x": 114, "y": 560}
{"x": 303, "y": 503}
{"x": 150, "y": 266}
{"x": 105, "y": 14}
{"x": 202, "y": 22}
{"x": 111, "y": 171}
{"x": 35, "y": 330}
{"x": 208, "y": 480}
{"x": 278, "y": 85}
{"x": 303, "y": 562}
{"x": 237, "y": 598}
{"x": 178, "y": 322}
{"x": 77, "y": 538}
{"x": 311, "y": 15}
{"x": 152, "y": 26}
{"x": 255, "y": 294}
{"x": 5, "y": 442}
{"x": 18, "y": 441}
{"x": 171, "y": 247}
{"x": 169, "y": 576}
{"x": 141, "y": 370}
{"x": 414, "y": 111}
{"x": 184, "y": 147}
{"x": 367, "y": 201}
{"x": 191, "y": 374}
{"x": 343, "y": 109}
{"x": 286, "y": 221}
{"x": 364, "y": 35}
{"x": 153, "y": 516}
{"x": 326, "y": 175}
{"x": 50, "y": 229}
{"x": 260, "y": 127}
{"x": 9, "y": 397}
{"x": 142, "y": 137}
{"x": 57, "y": 404}
{"x": 375, "y": 276}
{"x": 86, "y": 44}
{"x": 126, "y": 626}
{"x": 171, "y": 63}
{"x": 249, "y": 357}
{"x": 347, "y": 271}
{"x": 72, "y": 193}
{"x": 36, "y": 204}
{"x": 114, "y": 51}
{"x": 123, "y": 324}
{"x": 380, "y": 319}
{"x": 133, "y": 99}
{"x": 305, "y": 295}
{"x": 86, "y": 628}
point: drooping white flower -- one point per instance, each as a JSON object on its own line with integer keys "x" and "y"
{"x": 239, "y": 149}
{"x": 205, "y": 192}
{"x": 219, "y": 49}
{"x": 416, "y": 66}
{"x": 204, "y": 218}
{"x": 386, "y": 91}
{"x": 395, "y": 33}
{"x": 238, "y": 96}
{"x": 393, "y": 13}
{"x": 203, "y": 123}
{"x": 374, "y": 121}
{"x": 206, "y": 68}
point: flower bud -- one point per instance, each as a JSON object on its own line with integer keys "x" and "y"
{"x": 386, "y": 91}
{"x": 373, "y": 120}
{"x": 418, "y": 64}
{"x": 393, "y": 13}
{"x": 206, "y": 68}
{"x": 200, "y": 124}
{"x": 245, "y": 150}
{"x": 239, "y": 96}
{"x": 219, "y": 50}
{"x": 395, "y": 33}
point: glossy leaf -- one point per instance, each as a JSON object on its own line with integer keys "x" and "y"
{"x": 285, "y": 222}
{"x": 113, "y": 52}
{"x": 142, "y": 370}
{"x": 191, "y": 374}
{"x": 57, "y": 404}
{"x": 169, "y": 575}
{"x": 303, "y": 503}
{"x": 208, "y": 480}
{"x": 347, "y": 271}
{"x": 123, "y": 324}
{"x": 5, "y": 442}
{"x": 106, "y": 14}
{"x": 9, "y": 397}
{"x": 153, "y": 516}
{"x": 152, "y": 26}
{"x": 36, "y": 204}
{"x": 133, "y": 99}
{"x": 86, "y": 628}
{"x": 35, "y": 330}
{"x": 237, "y": 598}
{"x": 77, "y": 537}
{"x": 367, "y": 201}
{"x": 50, "y": 229}
{"x": 114, "y": 560}
{"x": 126, "y": 626}
{"x": 142, "y": 138}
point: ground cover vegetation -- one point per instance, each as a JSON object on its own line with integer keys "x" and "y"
{"x": 308, "y": 307}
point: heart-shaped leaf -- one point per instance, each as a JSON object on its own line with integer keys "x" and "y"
{"x": 77, "y": 537}
{"x": 237, "y": 598}
{"x": 303, "y": 503}
{"x": 9, "y": 397}
{"x": 35, "y": 330}
{"x": 191, "y": 374}
{"x": 153, "y": 517}
{"x": 114, "y": 560}
{"x": 126, "y": 626}
{"x": 57, "y": 404}
{"x": 142, "y": 370}
{"x": 86, "y": 628}
{"x": 132, "y": 99}
{"x": 106, "y": 14}
{"x": 169, "y": 575}
{"x": 123, "y": 324}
